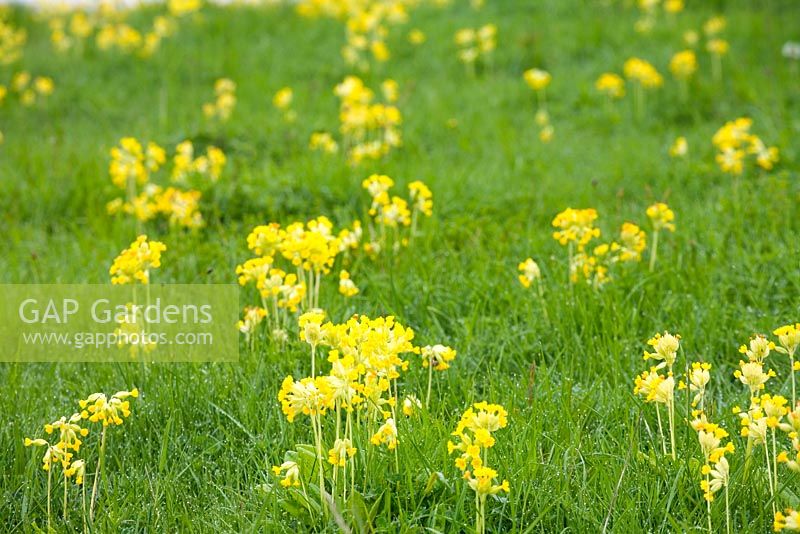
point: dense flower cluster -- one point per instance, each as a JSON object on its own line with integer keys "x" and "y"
{"x": 134, "y": 263}
{"x": 474, "y": 437}
{"x": 97, "y": 408}
{"x": 734, "y": 142}
{"x": 369, "y": 129}
{"x": 476, "y": 45}
{"x": 12, "y": 41}
{"x": 134, "y": 166}
{"x": 26, "y": 89}
{"x": 391, "y": 214}
{"x": 224, "y": 100}
{"x": 359, "y": 392}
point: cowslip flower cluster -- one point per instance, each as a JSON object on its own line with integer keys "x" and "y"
{"x": 323, "y": 142}
{"x": 658, "y": 388}
{"x": 12, "y": 41}
{"x": 435, "y": 358}
{"x": 734, "y": 142}
{"x": 716, "y": 469}
{"x": 367, "y": 25}
{"x": 135, "y": 262}
{"x": 108, "y": 27}
{"x": 369, "y": 129}
{"x": 683, "y": 64}
{"x": 134, "y": 166}
{"x": 69, "y": 433}
{"x": 679, "y": 148}
{"x": 391, "y": 214}
{"x": 224, "y": 100}
{"x": 282, "y": 101}
{"x": 610, "y": 84}
{"x": 359, "y": 392}
{"x": 310, "y": 249}
{"x": 642, "y": 73}
{"x": 661, "y": 218}
{"x": 26, "y": 89}
{"x": 473, "y": 439}
{"x": 576, "y": 230}
{"x": 476, "y": 45}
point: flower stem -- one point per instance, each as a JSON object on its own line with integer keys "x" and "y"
{"x": 98, "y": 473}
{"x": 654, "y": 251}
{"x": 430, "y": 379}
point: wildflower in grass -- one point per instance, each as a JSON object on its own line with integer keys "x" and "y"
{"x": 575, "y": 227}
{"x": 661, "y": 217}
{"x": 752, "y": 375}
{"x": 766, "y": 157}
{"x": 289, "y": 472}
{"x": 410, "y": 405}
{"x": 679, "y": 148}
{"x": 611, "y": 85}
{"x": 253, "y": 316}
{"x": 225, "y": 100}
{"x": 699, "y": 376}
{"x": 658, "y": 389}
{"x": 537, "y": 79}
{"x": 529, "y": 272}
{"x": 789, "y": 339}
{"x": 683, "y": 65}
{"x": 416, "y": 37}
{"x": 134, "y": 263}
{"x": 758, "y": 348}
{"x": 632, "y": 242}
{"x": 182, "y": 208}
{"x": 475, "y": 437}
{"x": 717, "y": 48}
{"x": 475, "y": 44}
{"x": 714, "y": 25}
{"x": 787, "y": 520}
{"x": 731, "y": 160}
{"x": 346, "y": 285}
{"x": 12, "y": 42}
{"x": 665, "y": 350}
{"x": 311, "y": 332}
{"x": 715, "y": 470}
{"x": 691, "y": 38}
{"x": 436, "y": 358}
{"x": 324, "y": 142}
{"x": 342, "y": 451}
{"x": 386, "y": 435}
{"x": 109, "y": 411}
{"x": 643, "y": 75}
{"x": 282, "y": 100}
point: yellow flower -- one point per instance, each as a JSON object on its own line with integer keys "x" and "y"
{"x": 529, "y": 272}
{"x": 410, "y": 405}
{"x": 632, "y": 243}
{"x": 346, "y": 285}
{"x": 437, "y": 356}
{"x": 758, "y": 348}
{"x": 537, "y": 79}
{"x": 679, "y": 148}
{"x": 416, "y": 37}
{"x": 290, "y": 471}
{"x": 109, "y": 411}
{"x": 342, "y": 450}
{"x": 283, "y": 98}
{"x": 789, "y": 338}
{"x": 714, "y": 25}
{"x": 683, "y": 64}
{"x": 642, "y": 72}
{"x": 666, "y": 349}
{"x": 421, "y": 198}
{"x": 309, "y": 396}
{"x": 752, "y": 375}
{"x": 731, "y": 160}
{"x": 576, "y": 226}
{"x": 323, "y": 141}
{"x": 718, "y": 47}
{"x": 134, "y": 263}
{"x": 699, "y": 377}
{"x": 386, "y": 435}
{"x": 661, "y": 216}
{"x": 481, "y": 481}
{"x": 610, "y": 84}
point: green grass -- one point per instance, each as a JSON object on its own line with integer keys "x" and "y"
{"x": 580, "y": 449}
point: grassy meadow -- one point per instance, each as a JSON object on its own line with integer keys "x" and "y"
{"x": 581, "y": 451}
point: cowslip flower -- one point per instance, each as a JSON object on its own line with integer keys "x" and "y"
{"x": 134, "y": 263}
{"x": 342, "y": 451}
{"x": 683, "y": 64}
{"x": 529, "y": 272}
{"x": 787, "y": 520}
{"x": 537, "y": 79}
{"x": 758, "y": 348}
{"x": 632, "y": 242}
{"x": 386, "y": 435}
{"x": 665, "y": 349}
{"x": 699, "y": 376}
{"x": 679, "y": 148}
{"x": 576, "y": 226}
{"x": 610, "y": 84}
{"x": 346, "y": 286}
{"x": 289, "y": 472}
{"x": 410, "y": 405}
{"x": 752, "y": 375}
